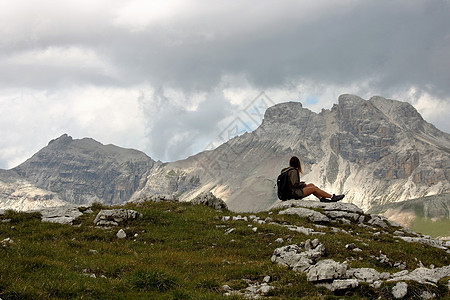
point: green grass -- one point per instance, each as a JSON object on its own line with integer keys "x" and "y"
{"x": 439, "y": 228}
{"x": 177, "y": 251}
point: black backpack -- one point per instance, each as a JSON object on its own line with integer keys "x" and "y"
{"x": 284, "y": 191}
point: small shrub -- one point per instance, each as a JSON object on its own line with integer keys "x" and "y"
{"x": 98, "y": 206}
{"x": 211, "y": 284}
{"x": 152, "y": 280}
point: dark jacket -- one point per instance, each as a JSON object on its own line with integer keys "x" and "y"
{"x": 295, "y": 184}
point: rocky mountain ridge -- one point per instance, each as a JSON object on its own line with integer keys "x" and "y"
{"x": 75, "y": 171}
{"x": 375, "y": 151}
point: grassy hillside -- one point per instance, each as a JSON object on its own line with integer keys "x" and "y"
{"x": 183, "y": 251}
{"x": 427, "y": 215}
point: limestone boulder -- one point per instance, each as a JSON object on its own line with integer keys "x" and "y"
{"x": 313, "y": 215}
{"x": 113, "y": 217}
{"x": 327, "y": 269}
{"x": 60, "y": 214}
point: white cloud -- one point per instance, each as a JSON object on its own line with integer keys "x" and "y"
{"x": 30, "y": 119}
{"x": 138, "y": 15}
{"x": 434, "y": 110}
{"x": 64, "y": 57}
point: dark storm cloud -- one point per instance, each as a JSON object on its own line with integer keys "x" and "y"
{"x": 394, "y": 44}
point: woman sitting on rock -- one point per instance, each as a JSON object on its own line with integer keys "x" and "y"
{"x": 300, "y": 190}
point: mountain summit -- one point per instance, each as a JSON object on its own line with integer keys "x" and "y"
{"x": 375, "y": 151}
{"x": 85, "y": 171}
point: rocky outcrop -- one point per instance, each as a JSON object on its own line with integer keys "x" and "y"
{"x": 153, "y": 198}
{"x": 310, "y": 257}
{"x": 114, "y": 217}
{"x": 210, "y": 200}
{"x": 338, "y": 276}
{"x": 61, "y": 214}
{"x": 314, "y": 216}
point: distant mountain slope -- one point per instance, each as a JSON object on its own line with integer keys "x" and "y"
{"x": 428, "y": 215}
{"x": 375, "y": 151}
{"x": 19, "y": 194}
{"x": 84, "y": 171}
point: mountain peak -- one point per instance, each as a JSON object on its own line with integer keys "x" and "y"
{"x": 84, "y": 170}
{"x": 65, "y": 138}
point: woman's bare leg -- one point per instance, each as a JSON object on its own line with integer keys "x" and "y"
{"x": 312, "y": 189}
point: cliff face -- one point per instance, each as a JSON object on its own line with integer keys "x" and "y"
{"x": 84, "y": 171}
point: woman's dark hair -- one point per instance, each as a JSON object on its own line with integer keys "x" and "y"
{"x": 295, "y": 163}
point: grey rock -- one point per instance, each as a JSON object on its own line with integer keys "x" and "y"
{"x": 343, "y": 284}
{"x": 422, "y": 275}
{"x": 7, "y": 242}
{"x": 400, "y": 290}
{"x": 377, "y": 284}
{"x": 297, "y": 258}
{"x": 253, "y": 290}
{"x": 226, "y": 288}
{"x": 303, "y": 230}
{"x": 350, "y": 246}
{"x": 399, "y": 265}
{"x": 264, "y": 289}
{"x": 335, "y": 214}
{"x": 314, "y": 244}
{"x": 326, "y": 206}
{"x": 60, "y": 214}
{"x": 113, "y": 217}
{"x": 210, "y": 200}
{"x": 152, "y": 198}
{"x": 121, "y": 234}
{"x": 361, "y": 219}
{"x": 427, "y": 295}
{"x": 240, "y": 218}
{"x": 343, "y": 221}
{"x": 364, "y": 274}
{"x": 426, "y": 241}
{"x": 314, "y": 216}
{"x": 326, "y": 269}
{"x": 228, "y": 231}
{"x": 287, "y": 255}
{"x": 377, "y": 221}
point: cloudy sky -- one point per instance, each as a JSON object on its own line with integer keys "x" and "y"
{"x": 166, "y": 77}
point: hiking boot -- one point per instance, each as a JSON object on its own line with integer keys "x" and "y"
{"x": 336, "y": 198}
